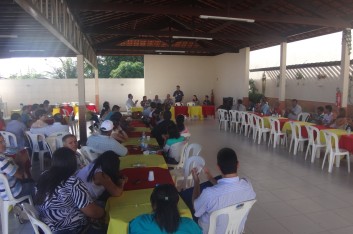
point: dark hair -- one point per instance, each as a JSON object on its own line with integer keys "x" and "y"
{"x": 167, "y": 115}
{"x": 34, "y": 107}
{"x": 240, "y": 101}
{"x": 63, "y": 166}
{"x": 320, "y": 108}
{"x": 180, "y": 122}
{"x": 115, "y": 118}
{"x": 67, "y": 137}
{"x": 153, "y": 105}
{"x": 40, "y": 112}
{"x": 115, "y": 108}
{"x": 15, "y": 116}
{"x": 46, "y": 102}
{"x": 109, "y": 163}
{"x": 173, "y": 131}
{"x": 58, "y": 118}
{"x": 227, "y": 161}
{"x": 106, "y": 105}
{"x": 164, "y": 200}
{"x": 328, "y": 107}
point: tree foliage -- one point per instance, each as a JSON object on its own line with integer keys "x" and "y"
{"x": 31, "y": 74}
{"x": 254, "y": 95}
{"x": 68, "y": 70}
{"x": 128, "y": 70}
{"x": 107, "y": 64}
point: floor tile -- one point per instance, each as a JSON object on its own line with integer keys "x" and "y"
{"x": 300, "y": 224}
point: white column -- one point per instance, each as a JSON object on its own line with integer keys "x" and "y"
{"x": 96, "y": 87}
{"x": 81, "y": 99}
{"x": 344, "y": 76}
{"x": 282, "y": 74}
{"x": 246, "y": 72}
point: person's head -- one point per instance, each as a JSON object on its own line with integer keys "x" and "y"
{"x": 144, "y": 98}
{"x": 130, "y": 96}
{"x": 2, "y": 144}
{"x": 15, "y": 116}
{"x": 34, "y": 107}
{"x": 25, "y": 109}
{"x": 178, "y": 87}
{"x": 58, "y": 118}
{"x": 320, "y": 110}
{"x": 164, "y": 200}
{"x": 195, "y": 97}
{"x": 227, "y": 161}
{"x": 341, "y": 112}
{"x": 107, "y": 127}
{"x": 109, "y": 163}
{"x": 116, "y": 108}
{"x": 46, "y": 103}
{"x": 173, "y": 132}
{"x": 41, "y": 114}
{"x": 240, "y": 101}
{"x": 153, "y": 105}
{"x": 168, "y": 96}
{"x": 206, "y": 97}
{"x": 328, "y": 109}
{"x": 167, "y": 115}
{"x": 70, "y": 141}
{"x": 63, "y": 165}
{"x": 115, "y": 118}
{"x": 106, "y": 105}
{"x": 294, "y": 102}
{"x": 156, "y": 97}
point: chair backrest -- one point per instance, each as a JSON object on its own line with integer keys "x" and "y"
{"x": 275, "y": 125}
{"x": 244, "y": 117}
{"x": 10, "y": 138}
{"x": 234, "y": 116}
{"x": 222, "y": 114}
{"x": 6, "y": 185}
{"x": 66, "y": 112}
{"x": 252, "y": 119}
{"x": 195, "y": 161}
{"x": 192, "y": 149}
{"x": 331, "y": 141}
{"x": 296, "y": 129}
{"x": 236, "y": 213}
{"x": 33, "y": 218}
{"x": 89, "y": 153}
{"x": 177, "y": 151}
{"x": 178, "y": 104}
{"x": 34, "y": 139}
{"x": 190, "y": 103}
{"x": 59, "y": 138}
{"x": 304, "y": 116}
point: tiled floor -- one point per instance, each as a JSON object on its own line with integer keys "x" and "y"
{"x": 293, "y": 195}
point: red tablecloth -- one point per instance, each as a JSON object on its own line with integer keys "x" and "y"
{"x": 137, "y": 123}
{"x": 66, "y": 107}
{"x": 282, "y": 122}
{"x": 346, "y": 142}
{"x": 181, "y": 110}
{"x": 208, "y": 110}
{"x": 92, "y": 107}
{"x": 320, "y": 127}
{"x": 138, "y": 177}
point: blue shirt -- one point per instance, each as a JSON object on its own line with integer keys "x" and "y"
{"x": 265, "y": 109}
{"x": 102, "y": 143}
{"x": 146, "y": 224}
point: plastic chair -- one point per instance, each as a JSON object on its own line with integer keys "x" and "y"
{"x": 304, "y": 116}
{"x": 89, "y": 153}
{"x": 10, "y": 138}
{"x": 276, "y": 132}
{"x": 178, "y": 104}
{"x": 5, "y": 204}
{"x": 297, "y": 137}
{"x": 223, "y": 118}
{"x": 234, "y": 120}
{"x": 260, "y": 129}
{"x": 244, "y": 122}
{"x": 37, "y": 147}
{"x": 186, "y": 135}
{"x": 178, "y": 148}
{"x": 252, "y": 125}
{"x": 190, "y": 103}
{"x": 32, "y": 214}
{"x": 236, "y": 214}
{"x": 192, "y": 149}
{"x": 58, "y": 139}
{"x": 314, "y": 142}
{"x": 334, "y": 151}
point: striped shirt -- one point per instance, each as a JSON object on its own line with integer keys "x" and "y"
{"x": 227, "y": 192}
{"x": 9, "y": 168}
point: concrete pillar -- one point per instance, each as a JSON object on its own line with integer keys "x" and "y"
{"x": 282, "y": 74}
{"x": 81, "y": 99}
{"x": 246, "y": 71}
{"x": 96, "y": 87}
{"x": 344, "y": 76}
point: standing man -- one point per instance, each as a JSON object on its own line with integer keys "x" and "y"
{"x": 178, "y": 94}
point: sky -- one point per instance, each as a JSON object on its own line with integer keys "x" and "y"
{"x": 318, "y": 49}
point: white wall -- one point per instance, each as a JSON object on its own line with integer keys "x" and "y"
{"x": 115, "y": 91}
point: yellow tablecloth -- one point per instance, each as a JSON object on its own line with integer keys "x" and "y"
{"x": 16, "y": 111}
{"x": 172, "y": 110}
{"x": 136, "y": 109}
{"x": 286, "y": 126}
{"x": 136, "y": 141}
{"x": 141, "y": 129}
{"x": 338, "y": 132}
{"x": 195, "y": 111}
{"x": 267, "y": 121}
{"x": 56, "y": 110}
{"x": 153, "y": 160}
{"x": 76, "y": 110}
{"x": 122, "y": 210}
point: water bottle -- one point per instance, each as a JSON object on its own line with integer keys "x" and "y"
{"x": 142, "y": 145}
{"x": 349, "y": 131}
{"x": 143, "y": 135}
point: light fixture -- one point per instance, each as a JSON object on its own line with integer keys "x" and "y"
{"x": 170, "y": 51}
{"x": 8, "y": 36}
{"x": 196, "y": 38}
{"x": 226, "y": 18}
{"x": 11, "y": 51}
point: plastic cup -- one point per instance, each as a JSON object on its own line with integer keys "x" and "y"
{"x": 150, "y": 176}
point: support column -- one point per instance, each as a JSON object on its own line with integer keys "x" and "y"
{"x": 96, "y": 87}
{"x": 344, "y": 76}
{"x": 245, "y": 95}
{"x": 81, "y": 100}
{"x": 282, "y": 74}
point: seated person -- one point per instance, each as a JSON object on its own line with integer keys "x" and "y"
{"x": 206, "y": 102}
{"x": 70, "y": 141}
{"x": 173, "y": 137}
{"x": 118, "y": 133}
{"x": 115, "y": 109}
{"x": 239, "y": 106}
{"x": 157, "y": 100}
{"x": 25, "y": 117}
{"x": 341, "y": 122}
{"x": 294, "y": 111}
{"x": 265, "y": 108}
{"x": 105, "y": 110}
{"x": 276, "y": 109}
{"x": 180, "y": 124}
{"x": 130, "y": 103}
{"x": 145, "y": 103}
{"x": 41, "y": 116}
{"x": 104, "y": 142}
{"x": 57, "y": 126}
{"x": 2, "y": 122}
{"x": 328, "y": 116}
{"x": 18, "y": 128}
{"x": 196, "y": 100}
{"x": 62, "y": 200}
{"x": 169, "y": 101}
{"x": 155, "y": 118}
{"x": 161, "y": 128}
{"x": 103, "y": 175}
{"x": 319, "y": 116}
{"x": 227, "y": 191}
{"x": 165, "y": 217}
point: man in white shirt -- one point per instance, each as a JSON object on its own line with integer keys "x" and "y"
{"x": 295, "y": 111}
{"x": 57, "y": 126}
{"x": 227, "y": 191}
{"x": 130, "y": 103}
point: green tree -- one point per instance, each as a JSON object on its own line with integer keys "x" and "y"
{"x": 254, "y": 95}
{"x": 68, "y": 70}
{"x": 128, "y": 70}
{"x": 31, "y": 74}
{"x": 107, "y": 64}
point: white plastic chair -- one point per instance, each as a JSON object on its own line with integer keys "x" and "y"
{"x": 10, "y": 139}
{"x": 334, "y": 151}
{"x": 236, "y": 213}
{"x": 190, "y": 103}
{"x": 314, "y": 143}
{"x": 276, "y": 132}
{"x": 234, "y": 120}
{"x": 89, "y": 153}
{"x": 73, "y": 123}
{"x": 5, "y": 204}
{"x": 244, "y": 122}
{"x": 34, "y": 140}
{"x": 260, "y": 129}
{"x": 178, "y": 104}
{"x": 304, "y": 116}
{"x": 192, "y": 149}
{"x": 252, "y": 125}
{"x": 58, "y": 136}
{"x": 179, "y": 148}
{"x": 223, "y": 119}
{"x": 33, "y": 218}
{"x": 297, "y": 137}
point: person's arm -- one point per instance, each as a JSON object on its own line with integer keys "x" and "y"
{"x": 196, "y": 192}
{"x": 93, "y": 211}
{"x": 108, "y": 184}
{"x": 209, "y": 176}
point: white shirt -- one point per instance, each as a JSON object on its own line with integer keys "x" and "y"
{"x": 296, "y": 110}
{"x": 56, "y": 127}
{"x": 130, "y": 103}
{"x": 227, "y": 192}
{"x": 102, "y": 143}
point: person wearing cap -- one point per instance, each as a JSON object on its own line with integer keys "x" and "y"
{"x": 57, "y": 126}
{"x": 105, "y": 142}
{"x": 178, "y": 94}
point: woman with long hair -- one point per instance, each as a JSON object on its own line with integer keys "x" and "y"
{"x": 165, "y": 217}
{"x": 172, "y": 153}
{"x": 62, "y": 199}
{"x": 103, "y": 175}
{"x": 180, "y": 124}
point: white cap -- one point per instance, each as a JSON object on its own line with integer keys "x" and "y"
{"x": 107, "y": 125}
